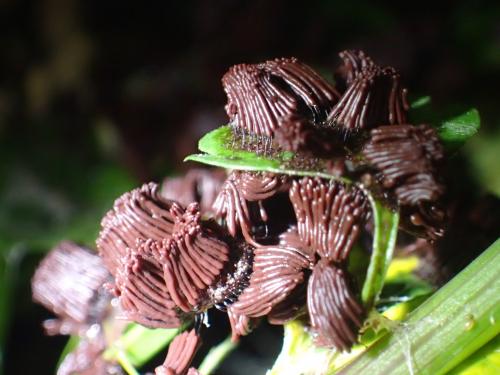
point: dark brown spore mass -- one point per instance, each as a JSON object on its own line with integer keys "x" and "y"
{"x": 354, "y": 62}
{"x": 197, "y": 185}
{"x": 138, "y": 215}
{"x": 257, "y": 244}
{"x": 181, "y": 352}
{"x": 193, "y": 259}
{"x": 142, "y": 291}
{"x": 233, "y": 204}
{"x": 166, "y": 260}
{"x": 329, "y": 216}
{"x": 69, "y": 282}
{"x": 260, "y": 95}
{"x": 276, "y": 272}
{"x": 299, "y": 134}
{"x": 406, "y": 158}
{"x": 335, "y": 313}
{"x": 373, "y": 95}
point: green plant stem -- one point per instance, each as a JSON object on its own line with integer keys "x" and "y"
{"x": 125, "y": 364}
{"x": 216, "y": 355}
{"x": 451, "y": 325}
{"x": 71, "y": 345}
{"x": 384, "y": 241}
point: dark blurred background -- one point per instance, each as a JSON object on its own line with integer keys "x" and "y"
{"x": 97, "y": 97}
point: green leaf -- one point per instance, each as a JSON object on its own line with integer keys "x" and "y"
{"x": 220, "y": 142}
{"x": 401, "y": 285}
{"x": 485, "y": 361}
{"x": 446, "y": 329}
{"x": 249, "y": 164}
{"x": 456, "y": 131}
{"x": 219, "y": 151}
{"x": 139, "y": 344}
{"x": 384, "y": 240}
{"x": 71, "y": 345}
{"x": 216, "y": 355}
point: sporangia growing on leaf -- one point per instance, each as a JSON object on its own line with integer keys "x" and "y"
{"x": 261, "y": 242}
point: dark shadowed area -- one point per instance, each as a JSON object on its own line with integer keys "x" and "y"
{"x": 97, "y": 97}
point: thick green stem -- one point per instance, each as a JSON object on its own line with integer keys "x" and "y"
{"x": 456, "y": 321}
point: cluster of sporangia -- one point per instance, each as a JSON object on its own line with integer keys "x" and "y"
{"x": 265, "y": 245}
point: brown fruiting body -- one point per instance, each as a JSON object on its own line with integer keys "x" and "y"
{"x": 260, "y": 95}
{"x": 406, "y": 158}
{"x": 181, "y": 352}
{"x": 260, "y": 244}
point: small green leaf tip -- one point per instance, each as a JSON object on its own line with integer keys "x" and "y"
{"x": 420, "y": 102}
{"x": 457, "y": 130}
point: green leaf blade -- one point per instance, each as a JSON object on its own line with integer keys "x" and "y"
{"x": 456, "y": 131}
{"x": 451, "y": 325}
{"x": 139, "y": 344}
{"x": 485, "y": 361}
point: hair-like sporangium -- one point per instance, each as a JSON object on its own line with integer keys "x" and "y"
{"x": 193, "y": 259}
{"x": 406, "y": 158}
{"x": 143, "y": 294}
{"x": 276, "y": 272}
{"x": 70, "y": 282}
{"x": 329, "y": 214}
{"x": 181, "y": 352}
{"x": 373, "y": 95}
{"x": 335, "y": 313}
{"x": 137, "y": 215}
{"x": 260, "y": 95}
